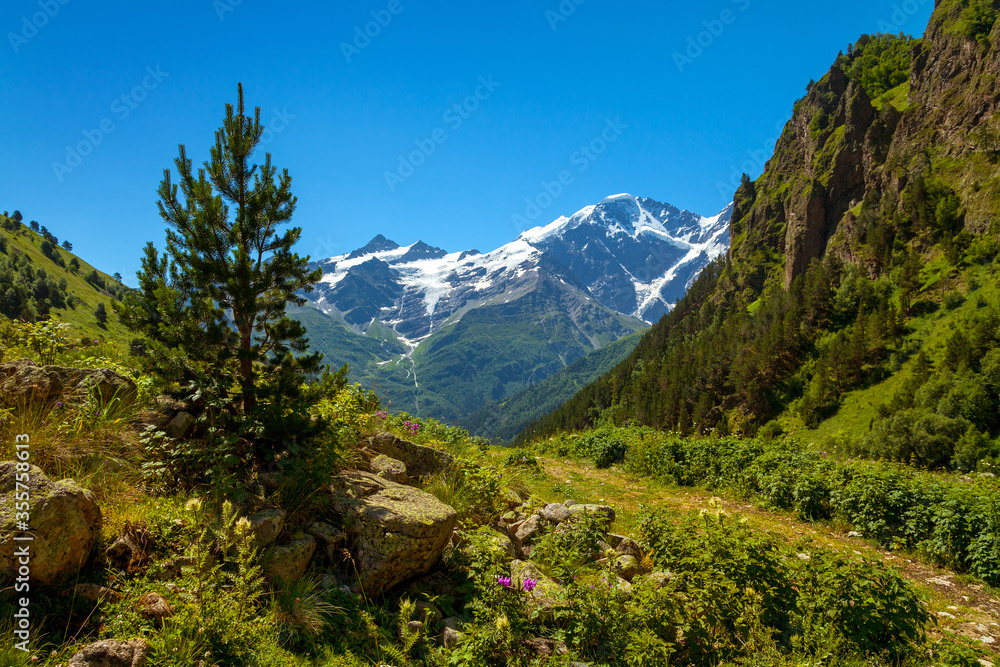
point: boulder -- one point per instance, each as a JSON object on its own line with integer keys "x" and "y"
{"x": 659, "y": 579}
{"x": 391, "y": 469}
{"x": 530, "y": 529}
{"x": 327, "y": 535}
{"x": 626, "y": 567}
{"x": 556, "y": 512}
{"x": 63, "y": 517}
{"x": 285, "y": 564}
{"x": 546, "y": 595}
{"x": 94, "y": 593}
{"x": 110, "y": 653}
{"x": 508, "y": 543}
{"x": 420, "y": 461}
{"x": 178, "y": 427}
{"x": 266, "y": 525}
{"x": 450, "y": 638}
{"x": 395, "y": 532}
{"x": 23, "y": 381}
{"x": 629, "y": 547}
{"x": 154, "y": 607}
{"x": 602, "y": 513}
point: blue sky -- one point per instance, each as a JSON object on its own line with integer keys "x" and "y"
{"x": 609, "y": 96}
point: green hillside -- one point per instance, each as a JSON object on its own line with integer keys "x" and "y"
{"x": 40, "y": 278}
{"x": 504, "y": 420}
{"x": 860, "y": 301}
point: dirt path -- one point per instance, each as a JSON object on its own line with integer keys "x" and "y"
{"x": 961, "y": 604}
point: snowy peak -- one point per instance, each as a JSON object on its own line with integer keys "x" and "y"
{"x": 632, "y": 255}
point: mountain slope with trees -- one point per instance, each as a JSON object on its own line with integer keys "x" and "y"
{"x": 873, "y": 222}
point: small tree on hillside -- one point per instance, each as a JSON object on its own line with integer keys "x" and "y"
{"x": 101, "y": 313}
{"x": 68, "y": 246}
{"x": 212, "y": 307}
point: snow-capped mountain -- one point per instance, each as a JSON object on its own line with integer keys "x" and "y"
{"x": 449, "y": 332}
{"x": 634, "y": 256}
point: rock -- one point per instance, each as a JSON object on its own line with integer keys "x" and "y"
{"x": 615, "y": 540}
{"x": 415, "y": 627}
{"x": 420, "y": 461}
{"x": 152, "y": 606}
{"x": 109, "y": 653}
{"x": 450, "y": 638}
{"x": 570, "y": 503}
{"x": 854, "y": 534}
{"x": 395, "y": 532}
{"x": 95, "y": 593}
{"x": 555, "y": 512}
{"x": 604, "y": 514}
{"x": 391, "y": 469}
{"x": 453, "y": 622}
{"x": 178, "y": 427}
{"x": 629, "y": 547}
{"x": 266, "y": 526}
{"x": 545, "y": 596}
{"x": 530, "y": 529}
{"x": 170, "y": 406}
{"x": 329, "y": 536}
{"x": 627, "y": 567}
{"x": 659, "y": 579}
{"x": 511, "y": 498}
{"x": 510, "y": 545}
{"x": 284, "y": 565}
{"x": 546, "y": 648}
{"x": 428, "y": 613}
{"x": 23, "y": 381}
{"x": 171, "y": 569}
{"x": 65, "y": 522}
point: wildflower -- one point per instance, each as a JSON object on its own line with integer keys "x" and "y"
{"x": 192, "y": 505}
{"x": 529, "y": 584}
{"x": 58, "y": 404}
{"x": 243, "y": 525}
{"x": 504, "y": 581}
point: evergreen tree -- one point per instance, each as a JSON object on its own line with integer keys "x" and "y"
{"x": 212, "y": 307}
{"x": 101, "y": 313}
{"x": 34, "y": 223}
{"x": 74, "y": 264}
{"x": 118, "y": 277}
{"x": 68, "y": 246}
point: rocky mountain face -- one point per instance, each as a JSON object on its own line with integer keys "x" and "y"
{"x": 879, "y": 206}
{"x": 489, "y": 325}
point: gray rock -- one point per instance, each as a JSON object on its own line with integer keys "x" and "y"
{"x": 556, "y": 512}
{"x": 329, "y": 536}
{"x": 530, "y": 529}
{"x": 453, "y": 622}
{"x": 546, "y": 596}
{"x": 507, "y": 542}
{"x": 284, "y": 565}
{"x": 659, "y": 579}
{"x": 614, "y": 540}
{"x": 109, "y": 653}
{"x": 450, "y": 638}
{"x": 420, "y": 461}
{"x": 266, "y": 525}
{"x": 395, "y": 532}
{"x": 65, "y": 523}
{"x": 415, "y": 627}
{"x": 153, "y": 606}
{"x": 569, "y": 503}
{"x": 178, "y": 427}
{"x": 391, "y": 469}
{"x": 23, "y": 381}
{"x": 627, "y": 567}
{"x": 629, "y": 547}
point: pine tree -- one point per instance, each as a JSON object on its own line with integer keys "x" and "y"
{"x": 101, "y": 314}
{"x": 212, "y": 307}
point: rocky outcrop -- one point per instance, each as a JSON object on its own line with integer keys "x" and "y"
{"x": 395, "y": 532}
{"x": 64, "y": 520}
{"x": 420, "y": 461}
{"x": 391, "y": 469}
{"x": 111, "y": 653}
{"x": 284, "y": 565}
{"x": 23, "y": 381}
{"x": 266, "y": 525}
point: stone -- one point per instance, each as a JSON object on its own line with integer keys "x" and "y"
{"x": 629, "y": 547}
{"x": 510, "y": 545}
{"x": 110, "y": 653}
{"x": 530, "y": 529}
{"x": 545, "y": 647}
{"x": 395, "y": 532}
{"x": 570, "y": 503}
{"x": 450, "y": 638}
{"x": 391, "y": 469}
{"x": 153, "y": 606}
{"x": 285, "y": 564}
{"x": 604, "y": 514}
{"x": 171, "y": 569}
{"x": 511, "y": 498}
{"x": 615, "y": 540}
{"x": 555, "y": 512}
{"x": 22, "y": 381}
{"x": 179, "y": 427}
{"x": 420, "y": 461}
{"x": 327, "y": 535}
{"x": 627, "y": 567}
{"x": 659, "y": 579}
{"x": 266, "y": 525}
{"x": 428, "y": 613}
{"x": 95, "y": 593}
{"x": 546, "y": 595}
{"x": 65, "y": 521}
{"x": 854, "y": 534}
{"x": 453, "y": 622}
{"x": 415, "y": 627}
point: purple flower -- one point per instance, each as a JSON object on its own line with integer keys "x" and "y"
{"x": 504, "y": 581}
{"x": 529, "y": 584}
{"x": 58, "y": 404}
